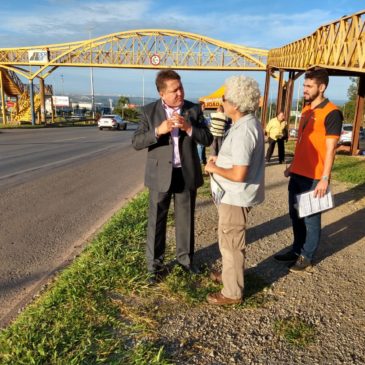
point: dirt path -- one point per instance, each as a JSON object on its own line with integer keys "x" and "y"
{"x": 331, "y": 299}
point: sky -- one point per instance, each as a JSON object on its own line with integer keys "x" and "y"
{"x": 260, "y": 24}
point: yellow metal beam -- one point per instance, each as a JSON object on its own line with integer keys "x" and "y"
{"x": 339, "y": 45}
{"x": 145, "y": 48}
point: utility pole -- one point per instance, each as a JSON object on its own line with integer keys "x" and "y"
{"x": 297, "y": 108}
{"x": 63, "y": 90}
{"x": 143, "y": 87}
{"x": 91, "y": 78}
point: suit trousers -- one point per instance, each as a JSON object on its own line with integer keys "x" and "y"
{"x": 184, "y": 208}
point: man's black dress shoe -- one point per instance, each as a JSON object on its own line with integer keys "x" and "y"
{"x": 153, "y": 279}
{"x": 156, "y": 277}
{"x": 192, "y": 269}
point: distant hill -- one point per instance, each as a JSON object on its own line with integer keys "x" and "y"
{"x": 338, "y": 102}
{"x": 104, "y": 99}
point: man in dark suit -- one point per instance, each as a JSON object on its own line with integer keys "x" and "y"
{"x": 170, "y": 128}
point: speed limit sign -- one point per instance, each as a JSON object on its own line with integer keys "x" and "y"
{"x": 155, "y": 59}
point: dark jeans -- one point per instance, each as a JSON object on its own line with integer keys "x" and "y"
{"x": 307, "y": 230}
{"x": 202, "y": 154}
{"x": 216, "y": 145}
{"x": 281, "y": 148}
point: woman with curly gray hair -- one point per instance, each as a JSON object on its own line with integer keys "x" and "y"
{"x": 237, "y": 179}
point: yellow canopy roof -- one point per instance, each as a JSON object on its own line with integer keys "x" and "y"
{"x": 213, "y": 100}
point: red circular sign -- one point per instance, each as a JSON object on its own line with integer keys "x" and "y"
{"x": 155, "y": 59}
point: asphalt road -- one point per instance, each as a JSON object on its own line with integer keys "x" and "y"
{"x": 57, "y": 188}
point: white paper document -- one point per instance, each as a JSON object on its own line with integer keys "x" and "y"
{"x": 307, "y": 204}
{"x": 217, "y": 191}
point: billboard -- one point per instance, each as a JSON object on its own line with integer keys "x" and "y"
{"x": 61, "y": 101}
{"x": 38, "y": 56}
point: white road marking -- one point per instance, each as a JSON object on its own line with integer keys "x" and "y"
{"x": 69, "y": 139}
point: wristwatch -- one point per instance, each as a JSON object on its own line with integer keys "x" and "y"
{"x": 325, "y": 177}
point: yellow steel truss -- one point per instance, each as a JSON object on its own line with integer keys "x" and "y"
{"x": 148, "y": 49}
{"x": 339, "y": 45}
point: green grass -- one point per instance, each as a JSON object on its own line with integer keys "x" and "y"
{"x": 349, "y": 169}
{"x": 194, "y": 289}
{"x": 295, "y": 331}
{"x": 23, "y": 126}
{"x": 77, "y": 321}
{"x": 59, "y": 122}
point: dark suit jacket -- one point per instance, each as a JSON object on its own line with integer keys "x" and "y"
{"x": 160, "y": 150}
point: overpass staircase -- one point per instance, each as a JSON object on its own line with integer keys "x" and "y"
{"x": 14, "y": 87}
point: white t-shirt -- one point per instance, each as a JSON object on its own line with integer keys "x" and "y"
{"x": 244, "y": 145}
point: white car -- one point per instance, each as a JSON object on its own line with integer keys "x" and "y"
{"x": 346, "y": 134}
{"x": 293, "y": 133}
{"x": 112, "y": 121}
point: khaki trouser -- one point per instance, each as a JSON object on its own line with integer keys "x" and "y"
{"x": 231, "y": 236}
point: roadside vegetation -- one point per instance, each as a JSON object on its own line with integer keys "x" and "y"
{"x": 101, "y": 310}
{"x": 81, "y": 318}
{"x": 58, "y": 122}
{"x": 296, "y": 331}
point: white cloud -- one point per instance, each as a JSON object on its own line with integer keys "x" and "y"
{"x": 72, "y": 19}
{"x": 45, "y": 22}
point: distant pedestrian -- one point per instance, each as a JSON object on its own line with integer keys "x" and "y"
{"x": 276, "y": 131}
{"x": 218, "y": 126}
{"x": 201, "y": 148}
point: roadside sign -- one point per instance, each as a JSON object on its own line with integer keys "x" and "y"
{"x": 61, "y": 101}
{"x": 38, "y": 56}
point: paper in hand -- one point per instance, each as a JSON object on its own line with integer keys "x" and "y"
{"x": 307, "y": 204}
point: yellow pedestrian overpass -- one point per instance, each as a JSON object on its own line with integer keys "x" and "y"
{"x": 338, "y": 46}
{"x": 146, "y": 49}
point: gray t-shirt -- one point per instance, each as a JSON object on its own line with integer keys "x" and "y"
{"x": 243, "y": 146}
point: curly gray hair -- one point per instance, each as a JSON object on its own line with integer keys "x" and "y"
{"x": 243, "y": 92}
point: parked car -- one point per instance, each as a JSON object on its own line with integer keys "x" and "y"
{"x": 112, "y": 121}
{"x": 346, "y": 134}
{"x": 293, "y": 133}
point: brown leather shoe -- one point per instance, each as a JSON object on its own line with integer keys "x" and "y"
{"x": 216, "y": 276}
{"x": 219, "y": 299}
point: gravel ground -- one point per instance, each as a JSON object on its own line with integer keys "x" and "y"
{"x": 331, "y": 299}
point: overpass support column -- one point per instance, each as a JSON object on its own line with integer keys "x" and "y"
{"x": 265, "y": 98}
{"x": 43, "y": 101}
{"x": 3, "y": 109}
{"x": 279, "y": 100}
{"x": 359, "y": 113}
{"x": 31, "y": 93}
{"x": 289, "y": 96}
